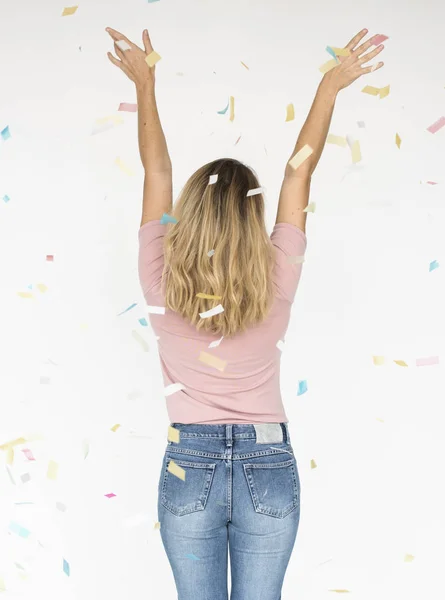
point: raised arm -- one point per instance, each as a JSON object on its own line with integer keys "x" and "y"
{"x": 153, "y": 149}
{"x": 294, "y": 195}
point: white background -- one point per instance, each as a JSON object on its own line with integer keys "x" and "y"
{"x": 377, "y": 493}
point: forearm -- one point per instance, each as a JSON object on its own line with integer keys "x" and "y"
{"x": 152, "y": 144}
{"x": 315, "y": 129}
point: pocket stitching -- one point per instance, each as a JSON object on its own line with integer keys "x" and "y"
{"x": 201, "y": 502}
{"x": 280, "y": 514}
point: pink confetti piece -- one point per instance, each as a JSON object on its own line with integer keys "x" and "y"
{"x": 110, "y": 495}
{"x": 379, "y": 38}
{"x": 423, "y": 362}
{"x": 437, "y": 125}
{"x": 432, "y": 182}
{"x": 27, "y": 452}
{"x": 128, "y": 107}
{"x": 50, "y": 257}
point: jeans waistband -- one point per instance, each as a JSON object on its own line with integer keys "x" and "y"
{"x": 227, "y": 431}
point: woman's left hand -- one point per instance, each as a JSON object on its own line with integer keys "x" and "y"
{"x": 132, "y": 62}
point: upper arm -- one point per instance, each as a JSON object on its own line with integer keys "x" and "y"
{"x": 294, "y": 197}
{"x": 158, "y": 196}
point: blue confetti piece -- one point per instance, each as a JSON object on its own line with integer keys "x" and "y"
{"x": 332, "y": 53}
{"x": 66, "y": 567}
{"x": 302, "y": 387}
{"x": 192, "y": 556}
{"x": 6, "y": 198}
{"x": 143, "y": 322}
{"x": 151, "y": 1}
{"x": 434, "y": 265}
{"x": 167, "y": 219}
{"x": 5, "y": 133}
{"x": 223, "y": 112}
{"x": 127, "y": 309}
{"x": 19, "y": 530}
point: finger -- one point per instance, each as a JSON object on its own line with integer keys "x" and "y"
{"x": 355, "y": 40}
{"x": 367, "y": 57}
{"x": 119, "y": 52}
{"x": 119, "y": 36}
{"x": 363, "y": 47}
{"x": 147, "y": 43}
{"x": 118, "y": 63}
{"x": 373, "y": 68}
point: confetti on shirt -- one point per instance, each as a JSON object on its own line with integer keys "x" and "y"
{"x": 310, "y": 207}
{"x": 437, "y": 125}
{"x": 208, "y": 296}
{"x": 213, "y": 179}
{"x": 156, "y": 310}
{"x": 5, "y": 133}
{"x": 173, "y": 435}
{"x": 378, "y": 360}
{"x": 300, "y": 156}
{"x": 313, "y": 464}
{"x": 69, "y": 10}
{"x": 425, "y": 362}
{"x": 128, "y": 107}
{"x": 401, "y": 363}
{"x": 302, "y": 387}
{"x": 295, "y": 260}
{"x": 254, "y": 192}
{"x": 337, "y": 140}
{"x": 290, "y": 113}
{"x": 66, "y": 567}
{"x": 110, "y": 495}
{"x": 213, "y": 361}
{"x": 398, "y": 140}
{"x": 167, "y": 219}
{"x": 280, "y": 345}
{"x": 216, "y": 343}
{"x": 53, "y": 469}
{"x": 223, "y": 112}
{"x": 213, "y": 311}
{"x": 176, "y": 470}
{"x": 232, "y": 109}
{"x": 152, "y": 59}
{"x": 433, "y": 265}
{"x": 173, "y": 388}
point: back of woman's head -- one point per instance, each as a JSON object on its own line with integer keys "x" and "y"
{"x": 219, "y": 217}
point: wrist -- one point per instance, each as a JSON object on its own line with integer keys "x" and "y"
{"x": 145, "y": 87}
{"x": 328, "y": 87}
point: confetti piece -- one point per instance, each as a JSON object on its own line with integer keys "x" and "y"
{"x": 340, "y": 51}
{"x": 123, "y": 167}
{"x": 432, "y": 182}
{"x": 339, "y": 591}
{"x": 5, "y": 133}
{"x": 378, "y": 39}
{"x": 2, "y": 585}
{"x": 176, "y": 470}
{"x": 173, "y": 388}
{"x": 8, "y": 470}
{"x": 127, "y": 309}
{"x": 115, "y": 427}
{"x": 53, "y": 468}
{"x": 140, "y": 340}
{"x": 244, "y": 65}
{"x": 295, "y": 260}
{"x": 398, "y": 140}
{"x": 157, "y": 525}
{"x": 152, "y": 59}
{"x": 208, "y": 296}
{"x": 361, "y": 124}
{"x": 369, "y": 89}
{"x": 143, "y": 322}
{"x": 433, "y": 265}
{"x": 15, "y": 442}
{"x": 355, "y": 152}
{"x": 69, "y": 10}
{"x": 237, "y": 140}
{"x": 424, "y": 362}
{"x": 110, "y": 495}
{"x": 25, "y": 477}
{"x": 66, "y": 567}
{"x": 6, "y": 198}
{"x": 45, "y": 380}
{"x": 213, "y": 361}
{"x": 378, "y": 360}
{"x": 337, "y": 140}
{"x": 102, "y": 125}
{"x": 409, "y": 557}
{"x": 437, "y": 125}
{"x": 152, "y": 1}
{"x": 327, "y": 66}
{"x": 381, "y": 420}
{"x": 19, "y": 530}
{"x": 384, "y": 92}
{"x": 25, "y": 294}
{"x": 302, "y": 387}
{"x": 213, "y": 179}
{"x": 313, "y": 464}
{"x": 223, "y": 112}
{"x": 156, "y": 310}
{"x": 232, "y": 109}
{"x": 60, "y": 506}
{"x": 332, "y": 53}
{"x": 49, "y": 258}
{"x": 280, "y": 345}
{"x": 254, "y": 192}
{"x": 310, "y": 207}
{"x": 10, "y": 455}
{"x": 216, "y": 343}
{"x": 210, "y": 253}
{"x": 213, "y": 311}
{"x": 167, "y": 219}
{"x": 128, "y": 107}
{"x": 27, "y": 452}
{"x": 290, "y": 113}
{"x": 300, "y": 156}
{"x": 401, "y": 363}
{"x": 192, "y": 556}
{"x": 173, "y": 435}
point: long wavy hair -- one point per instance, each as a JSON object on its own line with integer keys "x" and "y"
{"x": 219, "y": 246}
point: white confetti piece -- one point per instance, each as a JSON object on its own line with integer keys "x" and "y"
{"x": 280, "y": 345}
{"x": 295, "y": 260}
{"x": 123, "y": 45}
{"x": 216, "y": 343}
{"x": 213, "y": 179}
{"x": 254, "y": 192}
{"x": 213, "y": 311}
{"x": 210, "y": 253}
{"x": 173, "y": 388}
{"x": 60, "y": 506}
{"x": 156, "y": 310}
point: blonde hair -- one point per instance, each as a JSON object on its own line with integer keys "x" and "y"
{"x": 219, "y": 217}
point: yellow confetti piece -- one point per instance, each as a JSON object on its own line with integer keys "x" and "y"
{"x": 232, "y": 108}
{"x": 10, "y": 455}
{"x": 152, "y": 59}
{"x": 369, "y": 89}
{"x": 208, "y": 296}
{"x": 137, "y": 336}
{"x": 15, "y": 442}
{"x": 290, "y": 112}
{"x": 42, "y": 287}
{"x": 116, "y": 119}
{"x": 157, "y": 525}
{"x": 355, "y": 152}
{"x": 340, "y": 591}
{"x": 341, "y": 51}
{"x": 409, "y": 558}
{"x": 313, "y": 464}
{"x": 244, "y": 65}
{"x": 69, "y": 10}
{"x": 381, "y": 420}
{"x": 310, "y": 207}
{"x": 384, "y": 92}
{"x": 327, "y": 66}
{"x": 401, "y": 363}
{"x": 300, "y": 156}
{"x": 398, "y": 140}
{"x": 83, "y": 326}
{"x": 123, "y": 167}
{"x": 2, "y": 585}
{"x": 173, "y": 434}
{"x": 176, "y": 470}
{"x": 115, "y": 427}
{"x": 25, "y": 294}
{"x": 53, "y": 469}
{"x": 378, "y": 360}
{"x": 213, "y": 361}
{"x": 337, "y": 140}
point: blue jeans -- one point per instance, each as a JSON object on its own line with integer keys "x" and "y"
{"x": 240, "y": 494}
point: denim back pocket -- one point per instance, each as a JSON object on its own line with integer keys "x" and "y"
{"x": 185, "y": 497}
{"x": 274, "y": 487}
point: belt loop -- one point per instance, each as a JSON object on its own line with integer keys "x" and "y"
{"x": 285, "y": 432}
{"x": 228, "y": 435}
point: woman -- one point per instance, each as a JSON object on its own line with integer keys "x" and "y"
{"x": 229, "y": 479}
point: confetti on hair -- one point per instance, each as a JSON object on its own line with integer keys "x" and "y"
{"x": 213, "y": 179}
{"x": 167, "y": 219}
{"x": 176, "y": 470}
{"x": 290, "y": 113}
{"x": 437, "y": 125}
{"x": 425, "y": 362}
{"x": 208, "y": 296}
{"x": 213, "y": 311}
{"x": 255, "y": 192}
{"x": 173, "y": 388}
{"x": 156, "y": 310}
{"x": 300, "y": 156}
{"x": 128, "y": 107}
{"x": 433, "y": 265}
{"x": 210, "y": 253}
{"x": 213, "y": 361}
{"x": 173, "y": 435}
{"x": 152, "y": 59}
{"x": 69, "y": 10}
{"x": 302, "y": 387}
